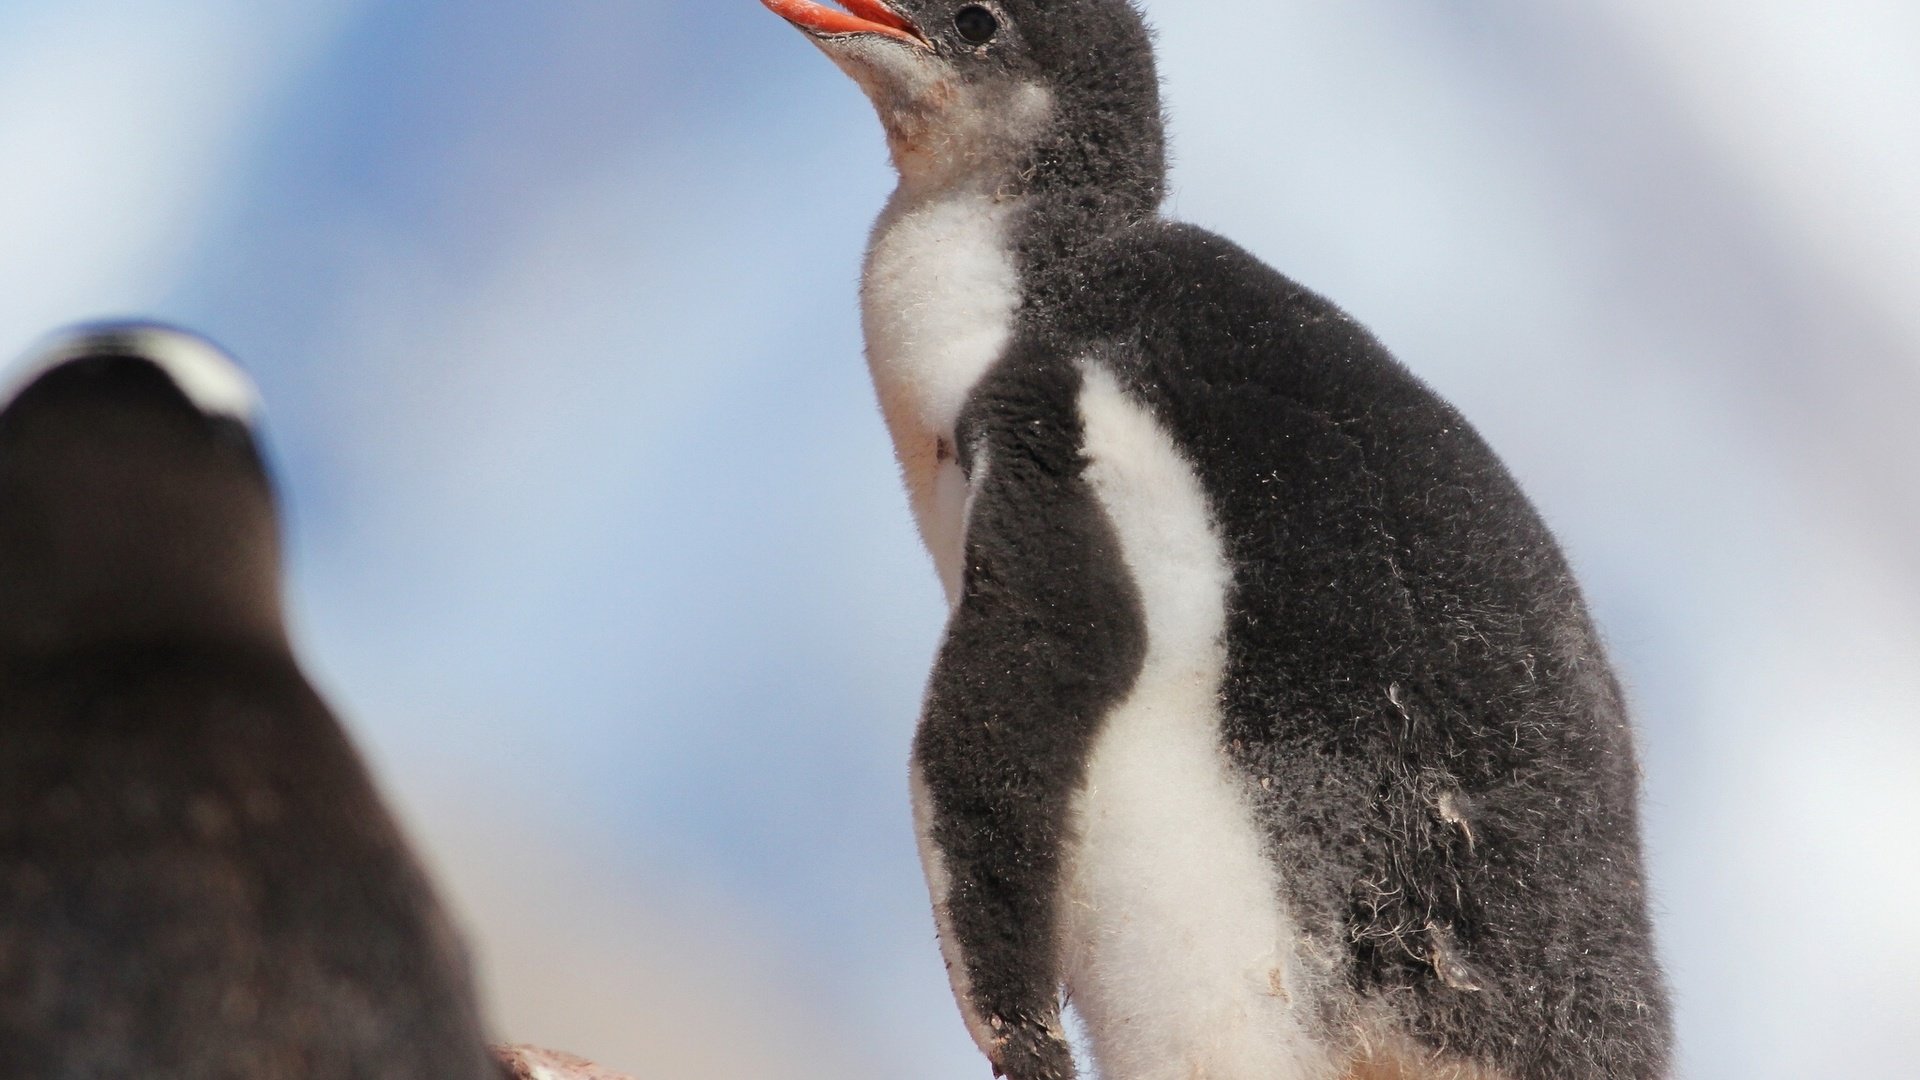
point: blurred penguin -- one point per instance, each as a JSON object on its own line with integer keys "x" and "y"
{"x": 197, "y": 877}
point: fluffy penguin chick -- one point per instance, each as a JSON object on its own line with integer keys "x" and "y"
{"x": 1269, "y": 722}
{"x": 197, "y": 880}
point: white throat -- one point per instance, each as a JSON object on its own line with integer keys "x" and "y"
{"x": 938, "y": 303}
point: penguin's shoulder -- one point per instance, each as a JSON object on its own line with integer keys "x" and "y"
{"x": 1199, "y": 307}
{"x": 1230, "y": 351}
{"x": 1265, "y": 385}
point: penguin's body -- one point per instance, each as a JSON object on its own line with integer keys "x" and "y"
{"x": 197, "y": 878}
{"x": 1269, "y": 722}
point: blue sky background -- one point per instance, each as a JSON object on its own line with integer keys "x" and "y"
{"x": 596, "y": 534}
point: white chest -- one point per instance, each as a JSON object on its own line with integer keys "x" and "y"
{"x": 1179, "y": 950}
{"x": 938, "y": 302}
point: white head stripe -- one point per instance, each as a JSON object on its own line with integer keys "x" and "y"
{"x": 205, "y": 374}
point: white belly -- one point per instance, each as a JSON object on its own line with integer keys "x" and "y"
{"x": 1180, "y": 955}
{"x": 937, "y": 302}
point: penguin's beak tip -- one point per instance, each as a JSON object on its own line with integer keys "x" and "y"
{"x": 860, "y": 17}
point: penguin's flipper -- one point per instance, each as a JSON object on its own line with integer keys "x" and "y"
{"x": 1045, "y": 638}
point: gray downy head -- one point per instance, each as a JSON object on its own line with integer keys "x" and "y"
{"x": 1039, "y": 97}
{"x": 133, "y": 498}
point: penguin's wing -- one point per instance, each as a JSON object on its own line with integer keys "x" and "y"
{"x": 1045, "y": 638}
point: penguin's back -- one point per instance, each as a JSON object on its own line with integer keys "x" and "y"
{"x": 1420, "y": 713}
{"x": 198, "y": 880}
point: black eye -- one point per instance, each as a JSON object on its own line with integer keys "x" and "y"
{"x": 976, "y": 24}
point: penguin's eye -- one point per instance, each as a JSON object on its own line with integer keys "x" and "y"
{"x": 976, "y": 24}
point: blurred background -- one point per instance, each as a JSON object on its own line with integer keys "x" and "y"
{"x": 597, "y": 538}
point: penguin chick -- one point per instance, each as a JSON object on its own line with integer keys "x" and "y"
{"x": 197, "y": 879}
{"x": 1269, "y": 721}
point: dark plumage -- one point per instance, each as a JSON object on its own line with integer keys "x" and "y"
{"x": 1047, "y": 641}
{"x": 1409, "y": 703}
{"x": 1415, "y": 691}
{"x": 197, "y": 879}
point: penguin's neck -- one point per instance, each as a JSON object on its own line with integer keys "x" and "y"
{"x": 940, "y": 298}
{"x": 145, "y": 562}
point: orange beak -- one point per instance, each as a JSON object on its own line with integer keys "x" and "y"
{"x": 861, "y": 17}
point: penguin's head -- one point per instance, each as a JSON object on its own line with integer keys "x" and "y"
{"x": 1024, "y": 95}
{"x": 133, "y": 498}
